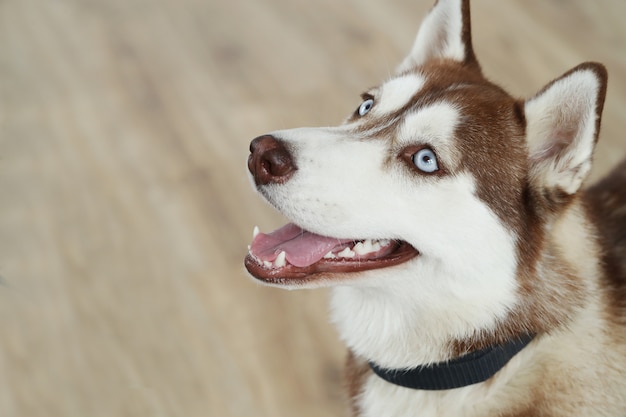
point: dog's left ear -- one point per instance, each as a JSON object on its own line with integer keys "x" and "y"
{"x": 562, "y": 126}
{"x": 445, "y": 34}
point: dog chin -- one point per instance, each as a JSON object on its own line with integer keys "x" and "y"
{"x": 293, "y": 257}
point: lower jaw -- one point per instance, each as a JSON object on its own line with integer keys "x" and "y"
{"x": 327, "y": 268}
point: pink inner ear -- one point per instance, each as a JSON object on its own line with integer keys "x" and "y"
{"x": 559, "y": 141}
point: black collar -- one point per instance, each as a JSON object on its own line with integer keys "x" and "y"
{"x": 466, "y": 370}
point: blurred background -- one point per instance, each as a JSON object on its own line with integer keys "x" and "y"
{"x": 125, "y": 210}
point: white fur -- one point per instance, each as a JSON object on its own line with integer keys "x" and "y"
{"x": 396, "y": 93}
{"x": 443, "y": 24}
{"x": 362, "y": 178}
{"x": 405, "y": 316}
{"x": 435, "y": 123}
{"x": 435, "y": 126}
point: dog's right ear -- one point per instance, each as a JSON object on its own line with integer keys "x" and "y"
{"x": 445, "y": 34}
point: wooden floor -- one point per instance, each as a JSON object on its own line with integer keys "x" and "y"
{"x": 125, "y": 210}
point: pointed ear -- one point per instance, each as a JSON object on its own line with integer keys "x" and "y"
{"x": 445, "y": 34}
{"x": 562, "y": 126}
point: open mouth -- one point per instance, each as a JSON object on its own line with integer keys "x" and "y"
{"x": 294, "y": 254}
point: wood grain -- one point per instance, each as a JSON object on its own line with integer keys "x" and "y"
{"x": 125, "y": 210}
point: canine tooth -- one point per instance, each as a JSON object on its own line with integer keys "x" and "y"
{"x": 346, "y": 253}
{"x": 255, "y": 231}
{"x": 280, "y": 260}
{"x": 267, "y": 264}
{"x": 385, "y": 242}
{"x": 330, "y": 255}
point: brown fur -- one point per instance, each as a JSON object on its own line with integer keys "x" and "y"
{"x": 606, "y": 202}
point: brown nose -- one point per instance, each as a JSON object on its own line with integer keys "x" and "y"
{"x": 269, "y": 161}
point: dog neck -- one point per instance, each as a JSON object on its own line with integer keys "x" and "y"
{"x": 469, "y": 369}
{"x": 406, "y": 330}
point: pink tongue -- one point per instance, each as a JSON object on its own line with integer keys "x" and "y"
{"x": 301, "y": 248}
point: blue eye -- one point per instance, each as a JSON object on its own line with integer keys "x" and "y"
{"x": 365, "y": 107}
{"x": 426, "y": 161}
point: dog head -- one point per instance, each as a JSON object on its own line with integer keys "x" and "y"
{"x": 437, "y": 190}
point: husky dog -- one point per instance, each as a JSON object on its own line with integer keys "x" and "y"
{"x": 471, "y": 273}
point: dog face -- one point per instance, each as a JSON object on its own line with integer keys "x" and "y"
{"x": 410, "y": 165}
{"x": 432, "y": 191}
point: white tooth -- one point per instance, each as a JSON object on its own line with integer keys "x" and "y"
{"x": 249, "y": 248}
{"x": 255, "y": 231}
{"x": 376, "y": 246}
{"x": 330, "y": 255}
{"x": 267, "y": 264}
{"x": 346, "y": 253}
{"x": 363, "y": 248}
{"x": 359, "y": 248}
{"x": 280, "y": 260}
{"x": 385, "y": 242}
